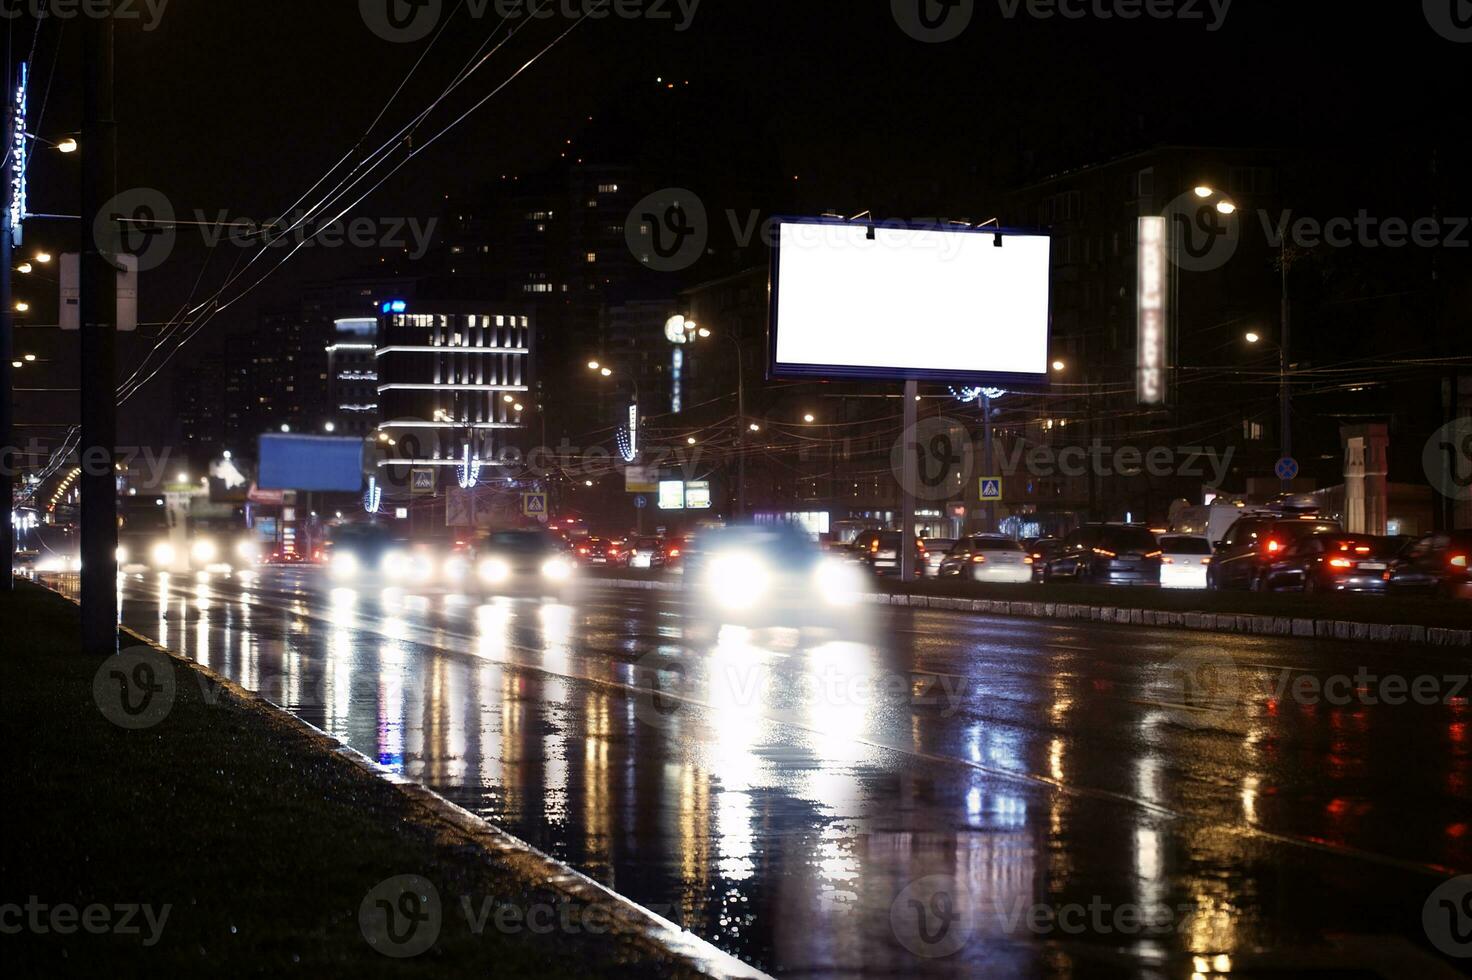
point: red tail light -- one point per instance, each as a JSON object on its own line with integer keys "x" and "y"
{"x": 874, "y": 546}
{"x": 674, "y": 552}
{"x": 1340, "y": 563}
{"x": 1274, "y": 546}
{"x": 1457, "y": 561}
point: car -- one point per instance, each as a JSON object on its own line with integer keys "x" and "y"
{"x": 1107, "y": 554}
{"x": 879, "y": 551}
{"x": 1332, "y": 563}
{"x": 1253, "y": 542}
{"x": 767, "y": 576}
{"x": 1042, "y": 550}
{"x": 650, "y": 553}
{"x": 597, "y": 551}
{"x": 531, "y": 562}
{"x": 936, "y": 550}
{"x": 1435, "y": 565}
{"x": 987, "y": 558}
{"x": 1184, "y": 559}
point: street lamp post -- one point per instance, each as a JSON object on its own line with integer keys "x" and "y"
{"x": 741, "y": 428}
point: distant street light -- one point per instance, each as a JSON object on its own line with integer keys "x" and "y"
{"x": 810, "y": 417}
{"x": 1059, "y": 365}
{"x": 607, "y": 373}
{"x": 68, "y": 145}
{"x": 285, "y": 428}
{"x": 25, "y": 268}
{"x": 30, "y": 357}
{"x": 330, "y": 427}
{"x": 1204, "y": 192}
{"x": 1226, "y": 207}
{"x": 690, "y": 441}
{"x": 1253, "y": 337}
{"x": 594, "y": 365}
{"x": 755, "y": 428}
{"x": 43, "y": 257}
{"x": 22, "y": 306}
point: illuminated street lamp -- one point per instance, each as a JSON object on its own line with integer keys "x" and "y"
{"x": 43, "y": 257}
{"x": 1203, "y": 192}
{"x": 21, "y": 306}
{"x": 68, "y": 145}
{"x": 1253, "y": 337}
{"x": 810, "y": 417}
{"x": 1059, "y": 366}
{"x": 25, "y": 268}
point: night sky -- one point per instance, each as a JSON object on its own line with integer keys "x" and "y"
{"x": 239, "y": 107}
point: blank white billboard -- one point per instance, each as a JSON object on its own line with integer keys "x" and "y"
{"x": 859, "y": 301}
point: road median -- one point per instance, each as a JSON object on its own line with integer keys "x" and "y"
{"x": 1340, "y": 617}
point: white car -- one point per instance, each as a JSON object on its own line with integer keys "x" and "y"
{"x": 936, "y": 550}
{"x": 1183, "y": 561}
{"x": 987, "y": 558}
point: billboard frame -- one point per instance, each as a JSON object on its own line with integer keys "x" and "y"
{"x": 1014, "y": 381}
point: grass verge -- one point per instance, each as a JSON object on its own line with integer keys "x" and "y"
{"x": 262, "y": 847}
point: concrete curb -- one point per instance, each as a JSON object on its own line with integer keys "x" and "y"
{"x": 1232, "y": 623}
{"x": 641, "y": 926}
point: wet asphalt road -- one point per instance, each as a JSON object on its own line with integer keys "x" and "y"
{"x": 959, "y": 796}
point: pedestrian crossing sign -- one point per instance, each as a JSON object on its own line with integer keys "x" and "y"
{"x": 534, "y": 504}
{"x": 991, "y": 488}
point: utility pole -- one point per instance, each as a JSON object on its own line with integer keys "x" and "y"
{"x": 911, "y": 464}
{"x": 740, "y": 434}
{"x": 9, "y": 455}
{"x": 97, "y": 309}
{"x": 1285, "y": 408}
{"x": 987, "y": 506}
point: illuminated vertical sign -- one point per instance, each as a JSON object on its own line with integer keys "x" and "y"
{"x": 1151, "y": 364}
{"x": 19, "y": 150}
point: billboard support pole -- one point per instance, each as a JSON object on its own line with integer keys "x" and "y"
{"x": 907, "y": 485}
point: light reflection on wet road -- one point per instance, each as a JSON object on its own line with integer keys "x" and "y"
{"x": 965, "y": 796}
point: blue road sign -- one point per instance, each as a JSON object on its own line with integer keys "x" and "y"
{"x": 641, "y": 502}
{"x": 1287, "y": 468}
{"x": 991, "y": 488}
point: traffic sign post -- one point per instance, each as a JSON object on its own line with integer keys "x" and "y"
{"x": 534, "y": 505}
{"x": 991, "y": 488}
{"x": 1287, "y": 470}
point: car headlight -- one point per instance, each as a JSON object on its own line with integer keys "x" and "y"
{"x": 738, "y": 580}
{"x": 494, "y": 571}
{"x": 557, "y": 569}
{"x": 344, "y": 565}
{"x": 204, "y": 551}
{"x": 838, "y": 584}
{"x": 121, "y": 555}
{"x": 394, "y": 565}
{"x": 163, "y": 554}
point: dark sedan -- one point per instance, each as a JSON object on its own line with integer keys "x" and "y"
{"x": 1107, "y": 554}
{"x": 1435, "y": 565}
{"x": 1331, "y": 563}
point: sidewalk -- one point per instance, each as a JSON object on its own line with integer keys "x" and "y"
{"x": 224, "y": 836}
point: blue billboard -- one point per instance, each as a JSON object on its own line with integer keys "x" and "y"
{"x": 291, "y": 462}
